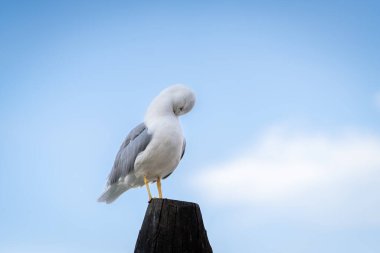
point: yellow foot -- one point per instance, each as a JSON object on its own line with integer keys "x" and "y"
{"x": 147, "y": 188}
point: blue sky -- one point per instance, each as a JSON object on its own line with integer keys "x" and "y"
{"x": 283, "y": 144}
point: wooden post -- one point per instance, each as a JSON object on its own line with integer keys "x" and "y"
{"x": 172, "y": 226}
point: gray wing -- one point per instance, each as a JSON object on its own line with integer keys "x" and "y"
{"x": 135, "y": 143}
{"x": 183, "y": 152}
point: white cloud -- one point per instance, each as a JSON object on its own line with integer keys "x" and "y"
{"x": 315, "y": 172}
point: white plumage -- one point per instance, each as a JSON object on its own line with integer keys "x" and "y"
{"x": 153, "y": 149}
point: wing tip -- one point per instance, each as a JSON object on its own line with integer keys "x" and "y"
{"x": 104, "y": 198}
{"x": 112, "y": 193}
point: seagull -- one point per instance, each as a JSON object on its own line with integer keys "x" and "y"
{"x": 153, "y": 149}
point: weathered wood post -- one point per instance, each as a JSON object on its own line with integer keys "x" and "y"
{"x": 172, "y": 226}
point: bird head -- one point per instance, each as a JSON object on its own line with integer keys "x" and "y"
{"x": 177, "y": 99}
{"x": 183, "y": 99}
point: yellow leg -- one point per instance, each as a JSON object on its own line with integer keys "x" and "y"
{"x": 159, "y": 187}
{"x": 147, "y": 188}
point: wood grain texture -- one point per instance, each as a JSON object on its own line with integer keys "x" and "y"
{"x": 172, "y": 226}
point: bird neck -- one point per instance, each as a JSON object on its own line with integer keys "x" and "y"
{"x": 159, "y": 109}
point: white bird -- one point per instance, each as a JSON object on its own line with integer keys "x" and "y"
{"x": 153, "y": 149}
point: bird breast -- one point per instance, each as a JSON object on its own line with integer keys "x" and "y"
{"x": 163, "y": 153}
